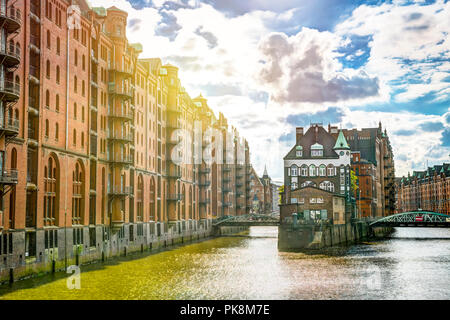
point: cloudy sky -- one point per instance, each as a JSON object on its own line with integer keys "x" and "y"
{"x": 270, "y": 66}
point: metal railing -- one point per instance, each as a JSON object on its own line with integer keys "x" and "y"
{"x": 121, "y": 159}
{"x": 10, "y": 87}
{"x": 119, "y": 89}
{"x": 121, "y": 114}
{"x": 120, "y": 190}
{"x": 10, "y": 124}
{"x": 13, "y": 14}
{"x": 120, "y": 136}
{"x": 9, "y": 176}
{"x": 11, "y": 49}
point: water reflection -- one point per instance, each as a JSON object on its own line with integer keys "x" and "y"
{"x": 413, "y": 264}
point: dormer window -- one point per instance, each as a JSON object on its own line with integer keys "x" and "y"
{"x": 299, "y": 151}
{"x": 316, "y": 150}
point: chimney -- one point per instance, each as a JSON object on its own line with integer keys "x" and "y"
{"x": 299, "y": 134}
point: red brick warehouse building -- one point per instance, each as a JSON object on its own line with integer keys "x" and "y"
{"x": 87, "y": 132}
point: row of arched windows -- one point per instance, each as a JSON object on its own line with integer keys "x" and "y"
{"x": 312, "y": 171}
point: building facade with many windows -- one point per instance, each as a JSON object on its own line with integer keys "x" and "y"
{"x": 89, "y": 132}
{"x": 427, "y": 190}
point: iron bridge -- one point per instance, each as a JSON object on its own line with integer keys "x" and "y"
{"x": 249, "y": 220}
{"x": 414, "y": 219}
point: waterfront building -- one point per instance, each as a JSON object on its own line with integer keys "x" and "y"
{"x": 427, "y": 190}
{"x": 317, "y": 177}
{"x": 89, "y": 131}
{"x": 373, "y": 165}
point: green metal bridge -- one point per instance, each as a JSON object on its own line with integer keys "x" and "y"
{"x": 249, "y": 220}
{"x": 414, "y": 219}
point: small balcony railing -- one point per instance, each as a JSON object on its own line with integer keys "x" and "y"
{"x": 12, "y": 54}
{"x": 13, "y": 17}
{"x": 122, "y": 159}
{"x": 120, "y": 136}
{"x": 120, "y": 90}
{"x": 9, "y": 176}
{"x": 205, "y": 184}
{"x": 10, "y": 125}
{"x": 124, "y": 114}
{"x": 10, "y": 89}
{"x": 120, "y": 190}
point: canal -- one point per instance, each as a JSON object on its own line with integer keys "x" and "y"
{"x": 412, "y": 264}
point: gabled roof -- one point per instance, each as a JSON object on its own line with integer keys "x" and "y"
{"x": 314, "y": 136}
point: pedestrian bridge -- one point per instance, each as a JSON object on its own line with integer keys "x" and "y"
{"x": 414, "y": 219}
{"x": 249, "y": 220}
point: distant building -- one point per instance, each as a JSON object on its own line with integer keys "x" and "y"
{"x": 317, "y": 177}
{"x": 261, "y": 193}
{"x": 428, "y": 190}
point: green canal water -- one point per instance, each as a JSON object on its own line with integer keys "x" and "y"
{"x": 413, "y": 264}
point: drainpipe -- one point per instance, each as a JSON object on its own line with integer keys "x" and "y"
{"x": 66, "y": 142}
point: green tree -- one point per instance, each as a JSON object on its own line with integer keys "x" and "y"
{"x": 354, "y": 181}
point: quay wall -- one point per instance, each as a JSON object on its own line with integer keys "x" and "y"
{"x": 300, "y": 237}
{"x": 130, "y": 240}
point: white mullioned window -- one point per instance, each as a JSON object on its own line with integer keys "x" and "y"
{"x": 304, "y": 170}
{"x": 322, "y": 170}
{"x": 312, "y": 170}
{"x": 294, "y": 171}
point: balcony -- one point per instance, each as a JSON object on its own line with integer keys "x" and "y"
{"x": 94, "y": 58}
{"x": 226, "y": 204}
{"x": 174, "y": 175}
{"x": 226, "y": 190}
{"x": 11, "y": 19}
{"x": 119, "y": 90}
{"x": 204, "y": 184}
{"x": 226, "y": 169}
{"x": 34, "y": 75}
{"x": 174, "y": 110}
{"x": 121, "y": 191}
{"x": 121, "y": 159}
{"x": 173, "y": 125}
{"x": 126, "y": 71}
{"x": 10, "y": 127}
{"x": 174, "y": 197}
{"x": 122, "y": 114}
{"x": 205, "y": 201}
{"x": 205, "y": 170}
{"x": 121, "y": 137}
{"x": 10, "y": 90}
{"x": 9, "y": 176}
{"x": 10, "y": 55}
{"x": 35, "y": 43}
{"x": 239, "y": 176}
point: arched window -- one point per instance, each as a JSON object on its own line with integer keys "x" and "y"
{"x": 75, "y": 110}
{"x": 77, "y": 194}
{"x": 82, "y": 113}
{"x": 48, "y": 69}
{"x": 83, "y": 88}
{"x": 12, "y": 195}
{"x": 312, "y": 170}
{"x": 140, "y": 199}
{"x": 322, "y": 170}
{"x": 58, "y": 46}
{"x": 183, "y": 203}
{"x": 51, "y": 176}
{"x": 57, "y": 103}
{"x": 327, "y": 185}
{"x": 304, "y": 170}
{"x": 57, "y": 74}
{"x": 191, "y": 205}
{"x": 84, "y": 62}
{"x": 75, "y": 84}
{"x": 308, "y": 184}
{"x": 46, "y": 128}
{"x": 57, "y": 131}
{"x": 152, "y": 199}
{"x": 49, "y": 40}
{"x": 331, "y": 171}
{"x": 47, "y": 99}
{"x": 74, "y": 137}
{"x": 82, "y": 139}
{"x": 76, "y": 57}
{"x": 294, "y": 170}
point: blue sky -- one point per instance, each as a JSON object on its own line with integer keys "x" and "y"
{"x": 270, "y": 66}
